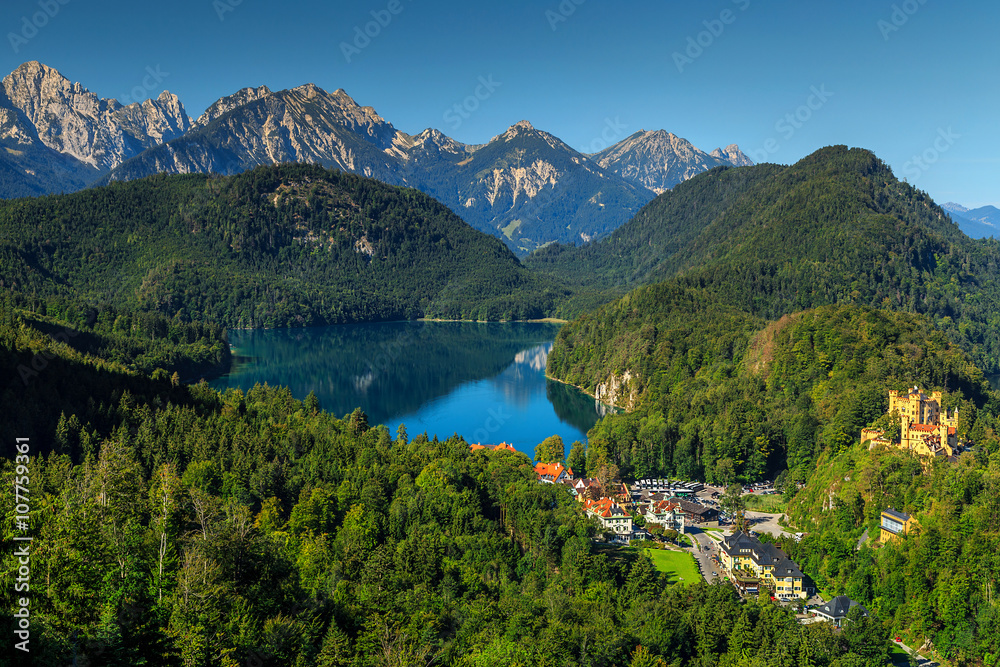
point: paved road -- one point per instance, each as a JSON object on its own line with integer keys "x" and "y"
{"x": 862, "y": 539}
{"x": 921, "y": 660}
{"x": 706, "y": 549}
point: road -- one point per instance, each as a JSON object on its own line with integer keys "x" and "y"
{"x": 921, "y": 660}
{"x": 703, "y": 554}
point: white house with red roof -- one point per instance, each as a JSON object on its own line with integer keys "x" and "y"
{"x": 611, "y": 515}
{"x": 553, "y": 473}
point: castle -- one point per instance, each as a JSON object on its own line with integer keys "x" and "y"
{"x": 924, "y": 428}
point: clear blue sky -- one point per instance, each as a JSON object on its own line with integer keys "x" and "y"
{"x": 923, "y": 83}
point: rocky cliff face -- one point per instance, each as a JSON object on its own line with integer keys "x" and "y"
{"x": 226, "y": 104}
{"x": 258, "y": 127}
{"x": 73, "y": 121}
{"x": 27, "y": 166}
{"x": 656, "y": 160}
{"x": 621, "y": 392}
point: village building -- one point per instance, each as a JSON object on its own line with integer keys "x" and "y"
{"x": 837, "y": 609}
{"x": 695, "y": 513}
{"x": 925, "y": 428}
{"x": 612, "y": 517}
{"x": 553, "y": 473}
{"x": 662, "y": 513}
{"x": 584, "y": 486}
{"x": 747, "y": 558}
{"x": 670, "y": 487}
{"x": 894, "y": 524}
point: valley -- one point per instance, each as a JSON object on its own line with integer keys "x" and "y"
{"x": 295, "y": 387}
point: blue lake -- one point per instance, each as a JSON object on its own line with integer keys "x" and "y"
{"x": 483, "y": 381}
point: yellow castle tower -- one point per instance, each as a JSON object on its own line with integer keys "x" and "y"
{"x": 924, "y": 427}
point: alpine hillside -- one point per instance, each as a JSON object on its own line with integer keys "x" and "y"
{"x": 835, "y": 228}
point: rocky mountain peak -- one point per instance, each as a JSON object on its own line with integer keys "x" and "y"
{"x": 310, "y": 90}
{"x": 73, "y": 121}
{"x": 733, "y": 155}
{"x": 657, "y": 160}
{"x": 226, "y": 104}
{"x": 659, "y": 135}
{"x": 437, "y": 139}
{"x": 518, "y": 128}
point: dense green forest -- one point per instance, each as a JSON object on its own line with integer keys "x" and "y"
{"x": 174, "y": 525}
{"x": 289, "y": 245}
{"x": 836, "y": 227}
{"x": 721, "y": 395}
{"x": 145, "y": 341}
{"x": 939, "y": 583}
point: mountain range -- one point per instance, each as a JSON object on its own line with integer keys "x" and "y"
{"x": 525, "y": 185}
{"x": 979, "y": 223}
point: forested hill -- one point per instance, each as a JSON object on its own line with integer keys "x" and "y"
{"x": 720, "y": 395}
{"x": 836, "y": 227}
{"x": 278, "y": 246}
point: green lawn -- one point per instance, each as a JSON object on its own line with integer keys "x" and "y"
{"x": 895, "y": 649}
{"x": 678, "y": 565}
{"x": 774, "y": 504}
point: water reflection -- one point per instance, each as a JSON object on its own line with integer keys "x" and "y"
{"x": 483, "y": 381}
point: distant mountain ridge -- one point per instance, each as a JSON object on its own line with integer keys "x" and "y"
{"x": 979, "y": 223}
{"x": 525, "y": 186}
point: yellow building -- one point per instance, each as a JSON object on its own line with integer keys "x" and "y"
{"x": 924, "y": 427}
{"x": 742, "y": 554}
{"x": 894, "y": 524}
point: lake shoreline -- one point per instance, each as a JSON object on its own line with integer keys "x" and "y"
{"x": 544, "y": 320}
{"x": 570, "y": 384}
